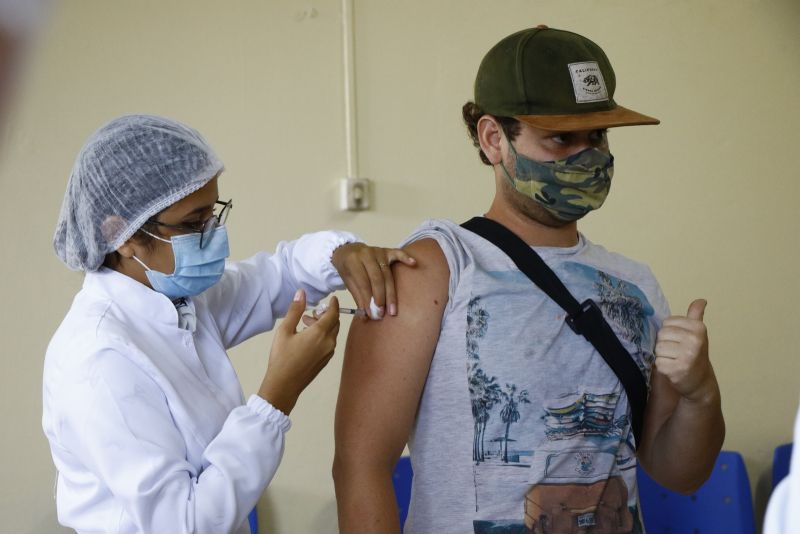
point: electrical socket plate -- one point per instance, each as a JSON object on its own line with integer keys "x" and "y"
{"x": 354, "y": 194}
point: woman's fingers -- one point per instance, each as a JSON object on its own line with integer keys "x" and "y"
{"x": 329, "y": 321}
{"x": 393, "y": 255}
{"x": 293, "y": 314}
{"x": 391, "y": 293}
{"x": 359, "y": 286}
{"x": 379, "y": 270}
{"x": 376, "y": 270}
{"x": 397, "y": 254}
{"x": 367, "y": 273}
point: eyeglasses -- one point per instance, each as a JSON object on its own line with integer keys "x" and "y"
{"x": 204, "y": 228}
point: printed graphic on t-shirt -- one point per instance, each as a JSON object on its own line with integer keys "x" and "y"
{"x": 626, "y": 309}
{"x": 551, "y": 431}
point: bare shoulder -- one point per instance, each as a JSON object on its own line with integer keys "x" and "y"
{"x": 429, "y": 278}
{"x": 422, "y": 292}
{"x": 428, "y": 248}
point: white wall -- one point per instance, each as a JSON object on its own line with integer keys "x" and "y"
{"x": 708, "y": 198}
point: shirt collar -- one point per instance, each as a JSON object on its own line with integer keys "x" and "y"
{"x": 132, "y": 296}
{"x": 563, "y": 251}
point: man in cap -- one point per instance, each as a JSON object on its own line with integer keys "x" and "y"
{"x": 515, "y": 422}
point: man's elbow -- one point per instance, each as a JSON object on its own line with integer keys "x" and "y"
{"x": 687, "y": 484}
{"x": 687, "y": 487}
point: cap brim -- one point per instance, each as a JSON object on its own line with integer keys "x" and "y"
{"x": 619, "y": 116}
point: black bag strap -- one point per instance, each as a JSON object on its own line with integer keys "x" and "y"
{"x": 584, "y": 318}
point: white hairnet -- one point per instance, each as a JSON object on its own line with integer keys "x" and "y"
{"x": 129, "y": 170}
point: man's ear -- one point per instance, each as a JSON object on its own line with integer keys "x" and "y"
{"x": 489, "y": 136}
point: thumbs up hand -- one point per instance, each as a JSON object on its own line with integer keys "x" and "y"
{"x": 682, "y": 354}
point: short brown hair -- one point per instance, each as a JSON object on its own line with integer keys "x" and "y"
{"x": 472, "y": 114}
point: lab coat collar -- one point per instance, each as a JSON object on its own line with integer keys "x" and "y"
{"x": 132, "y": 296}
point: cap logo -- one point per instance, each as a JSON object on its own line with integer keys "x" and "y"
{"x": 588, "y": 82}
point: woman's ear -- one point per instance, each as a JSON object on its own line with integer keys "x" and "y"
{"x": 127, "y": 250}
{"x": 489, "y": 136}
{"x": 112, "y": 226}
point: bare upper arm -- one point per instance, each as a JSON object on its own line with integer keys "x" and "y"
{"x": 386, "y": 362}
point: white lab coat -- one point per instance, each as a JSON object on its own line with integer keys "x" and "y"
{"x": 783, "y": 510}
{"x": 146, "y": 421}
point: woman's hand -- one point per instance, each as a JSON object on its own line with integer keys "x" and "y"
{"x": 367, "y": 274}
{"x": 297, "y": 357}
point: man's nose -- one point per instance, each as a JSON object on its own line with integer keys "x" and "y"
{"x": 579, "y": 145}
{"x": 588, "y": 141}
{"x": 584, "y": 143}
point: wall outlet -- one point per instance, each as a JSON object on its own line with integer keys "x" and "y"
{"x": 354, "y": 194}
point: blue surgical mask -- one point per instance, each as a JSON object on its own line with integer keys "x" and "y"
{"x": 196, "y": 269}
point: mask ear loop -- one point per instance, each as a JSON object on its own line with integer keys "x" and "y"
{"x": 146, "y": 268}
{"x": 513, "y": 150}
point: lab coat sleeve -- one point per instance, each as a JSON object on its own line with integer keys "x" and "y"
{"x": 783, "y": 514}
{"x": 119, "y": 425}
{"x": 254, "y": 293}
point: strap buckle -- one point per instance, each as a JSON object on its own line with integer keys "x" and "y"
{"x": 577, "y": 320}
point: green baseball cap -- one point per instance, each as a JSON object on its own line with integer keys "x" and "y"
{"x": 554, "y": 80}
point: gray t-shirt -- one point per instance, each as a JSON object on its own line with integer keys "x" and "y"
{"x": 522, "y": 426}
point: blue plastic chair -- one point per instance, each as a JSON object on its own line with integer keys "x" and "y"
{"x": 253, "y": 520}
{"x": 722, "y": 505}
{"x": 780, "y": 463}
{"x": 401, "y": 479}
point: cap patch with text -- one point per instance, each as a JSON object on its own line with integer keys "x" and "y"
{"x": 588, "y": 82}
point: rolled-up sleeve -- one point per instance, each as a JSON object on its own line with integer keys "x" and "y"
{"x": 254, "y": 293}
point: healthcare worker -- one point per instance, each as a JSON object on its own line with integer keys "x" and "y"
{"x": 146, "y": 419}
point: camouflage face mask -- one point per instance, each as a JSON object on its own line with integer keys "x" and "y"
{"x": 568, "y": 188}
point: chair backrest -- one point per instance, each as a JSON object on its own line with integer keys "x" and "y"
{"x": 253, "y": 520}
{"x": 780, "y": 463}
{"x": 401, "y": 478}
{"x": 722, "y": 504}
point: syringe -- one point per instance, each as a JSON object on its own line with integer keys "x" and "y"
{"x": 322, "y": 308}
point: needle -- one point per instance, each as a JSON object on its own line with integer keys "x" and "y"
{"x": 322, "y": 308}
{"x": 353, "y": 311}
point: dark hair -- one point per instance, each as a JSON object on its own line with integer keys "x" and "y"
{"x": 112, "y": 259}
{"x": 472, "y": 114}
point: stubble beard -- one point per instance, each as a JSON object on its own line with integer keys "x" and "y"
{"x": 530, "y": 208}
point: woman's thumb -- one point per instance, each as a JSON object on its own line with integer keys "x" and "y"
{"x": 295, "y": 311}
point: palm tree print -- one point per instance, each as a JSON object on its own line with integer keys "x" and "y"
{"x": 483, "y": 390}
{"x": 485, "y": 393}
{"x": 510, "y": 414}
{"x": 477, "y": 324}
{"x": 625, "y": 311}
